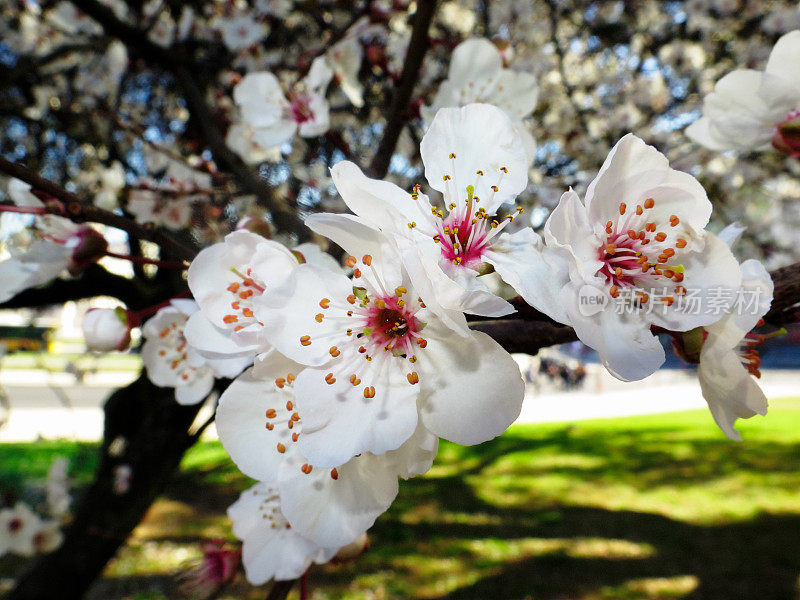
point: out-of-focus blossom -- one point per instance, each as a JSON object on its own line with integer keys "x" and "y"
{"x": 240, "y": 32}
{"x": 274, "y": 118}
{"x": 477, "y": 75}
{"x": 217, "y": 567}
{"x": 749, "y": 109}
{"x": 57, "y": 489}
{"x": 171, "y": 362}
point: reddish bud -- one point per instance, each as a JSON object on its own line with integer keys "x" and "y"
{"x": 88, "y": 246}
{"x": 787, "y": 136}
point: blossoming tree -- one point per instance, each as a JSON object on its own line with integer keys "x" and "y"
{"x": 341, "y": 218}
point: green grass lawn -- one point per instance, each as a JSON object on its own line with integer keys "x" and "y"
{"x": 656, "y": 507}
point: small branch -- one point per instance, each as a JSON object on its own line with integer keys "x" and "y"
{"x": 80, "y": 211}
{"x": 417, "y": 47}
{"x": 94, "y": 281}
{"x": 280, "y": 590}
{"x": 141, "y": 260}
{"x": 526, "y": 337}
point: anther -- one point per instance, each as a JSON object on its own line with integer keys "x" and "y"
{"x": 305, "y": 340}
{"x": 367, "y": 259}
{"x": 413, "y": 377}
{"x": 330, "y": 379}
{"x": 318, "y": 318}
{"x": 334, "y": 474}
{"x": 350, "y": 261}
{"x": 324, "y": 303}
{"x": 369, "y": 392}
{"x": 281, "y": 448}
{"x": 334, "y": 351}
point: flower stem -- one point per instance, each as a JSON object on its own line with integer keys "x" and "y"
{"x": 304, "y": 586}
{"x": 141, "y": 260}
{"x": 29, "y": 210}
{"x": 135, "y": 317}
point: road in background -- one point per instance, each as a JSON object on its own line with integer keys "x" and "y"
{"x": 42, "y": 405}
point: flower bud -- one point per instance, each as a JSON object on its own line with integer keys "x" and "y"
{"x": 218, "y": 567}
{"x": 256, "y": 225}
{"x": 88, "y": 246}
{"x": 787, "y": 137}
{"x": 107, "y": 329}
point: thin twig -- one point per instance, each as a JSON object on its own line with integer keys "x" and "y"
{"x": 80, "y": 211}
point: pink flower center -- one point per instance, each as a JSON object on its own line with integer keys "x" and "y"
{"x": 640, "y": 258}
{"x": 15, "y": 525}
{"x": 376, "y": 326}
{"x": 300, "y": 109}
{"x": 466, "y": 233}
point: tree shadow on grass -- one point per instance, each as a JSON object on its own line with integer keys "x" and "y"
{"x": 484, "y": 524}
{"x": 757, "y": 558}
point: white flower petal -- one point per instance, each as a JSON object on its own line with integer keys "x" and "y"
{"x": 380, "y": 203}
{"x": 289, "y": 313}
{"x": 623, "y": 341}
{"x": 242, "y": 425}
{"x": 783, "y": 58}
{"x": 729, "y": 389}
{"x": 475, "y": 60}
{"x": 535, "y": 275}
{"x": 634, "y": 172}
{"x": 483, "y": 138}
{"x": 568, "y": 231}
{"x": 473, "y": 388}
{"x": 334, "y": 512}
{"x": 339, "y": 422}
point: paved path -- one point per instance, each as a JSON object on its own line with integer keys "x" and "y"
{"x": 666, "y": 391}
{"x": 53, "y": 406}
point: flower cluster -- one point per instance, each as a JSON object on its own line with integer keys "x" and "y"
{"x": 355, "y": 372}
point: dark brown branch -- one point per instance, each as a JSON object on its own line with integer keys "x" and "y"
{"x": 280, "y": 590}
{"x": 784, "y": 309}
{"x": 94, "y": 281}
{"x": 80, "y": 211}
{"x": 417, "y": 47}
{"x": 527, "y": 337}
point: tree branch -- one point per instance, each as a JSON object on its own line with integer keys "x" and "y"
{"x": 80, "y": 211}
{"x": 94, "y": 281}
{"x": 417, "y": 47}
